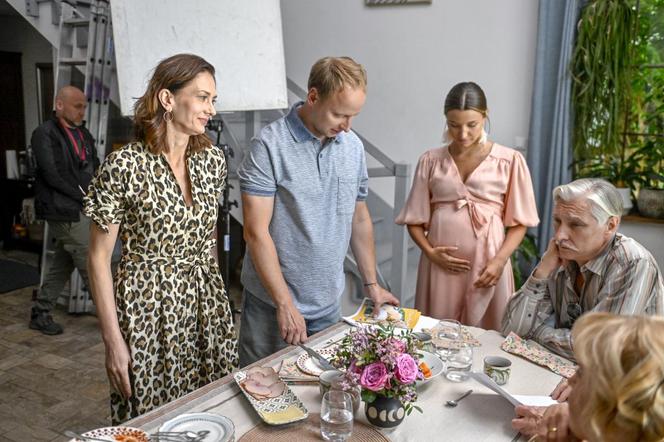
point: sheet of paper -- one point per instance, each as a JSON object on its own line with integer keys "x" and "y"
{"x": 488, "y": 382}
{"x": 540, "y": 401}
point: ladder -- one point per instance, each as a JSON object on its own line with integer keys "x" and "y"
{"x": 85, "y": 44}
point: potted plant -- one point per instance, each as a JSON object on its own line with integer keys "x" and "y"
{"x": 523, "y": 257}
{"x": 651, "y": 194}
{"x": 623, "y": 171}
{"x": 385, "y": 364}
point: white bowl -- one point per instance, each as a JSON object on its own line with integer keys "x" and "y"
{"x": 435, "y": 365}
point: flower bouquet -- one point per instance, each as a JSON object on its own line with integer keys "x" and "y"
{"x": 385, "y": 365}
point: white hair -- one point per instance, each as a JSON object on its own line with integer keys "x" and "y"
{"x": 605, "y": 201}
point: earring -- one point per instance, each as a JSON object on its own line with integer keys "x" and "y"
{"x": 168, "y": 116}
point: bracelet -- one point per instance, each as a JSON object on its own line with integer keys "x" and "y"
{"x": 367, "y": 284}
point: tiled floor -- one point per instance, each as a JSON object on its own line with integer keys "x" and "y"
{"x": 49, "y": 384}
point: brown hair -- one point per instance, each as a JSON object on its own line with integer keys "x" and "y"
{"x": 624, "y": 356}
{"x": 329, "y": 75}
{"x": 172, "y": 73}
{"x": 466, "y": 96}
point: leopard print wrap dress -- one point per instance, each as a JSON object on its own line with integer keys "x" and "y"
{"x": 171, "y": 303}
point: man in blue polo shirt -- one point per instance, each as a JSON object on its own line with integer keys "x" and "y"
{"x": 304, "y": 184}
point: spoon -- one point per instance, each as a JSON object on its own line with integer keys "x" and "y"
{"x": 184, "y": 436}
{"x": 73, "y": 435}
{"x": 455, "y": 402}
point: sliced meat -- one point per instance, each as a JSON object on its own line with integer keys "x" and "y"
{"x": 263, "y": 379}
{"x": 277, "y": 389}
{"x": 265, "y": 371}
{"x": 255, "y": 389}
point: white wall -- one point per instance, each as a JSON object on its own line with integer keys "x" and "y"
{"x": 17, "y": 35}
{"x": 413, "y": 55}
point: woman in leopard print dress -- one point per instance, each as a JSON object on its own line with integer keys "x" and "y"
{"x": 166, "y": 323}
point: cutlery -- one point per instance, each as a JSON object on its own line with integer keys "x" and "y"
{"x": 324, "y": 363}
{"x": 179, "y": 436}
{"x": 74, "y": 435}
{"x": 455, "y": 402}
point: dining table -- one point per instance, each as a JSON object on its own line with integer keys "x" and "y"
{"x": 482, "y": 416}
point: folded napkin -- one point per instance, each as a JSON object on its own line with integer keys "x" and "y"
{"x": 534, "y": 352}
{"x": 466, "y": 338}
{"x": 289, "y": 372}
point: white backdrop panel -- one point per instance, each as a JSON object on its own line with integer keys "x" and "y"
{"x": 241, "y": 38}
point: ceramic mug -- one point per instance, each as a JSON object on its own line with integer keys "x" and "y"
{"x": 498, "y": 369}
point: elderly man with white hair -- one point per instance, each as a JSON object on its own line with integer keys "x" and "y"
{"x": 587, "y": 266}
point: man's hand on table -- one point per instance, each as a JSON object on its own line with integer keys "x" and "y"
{"x": 380, "y": 296}
{"x": 292, "y": 326}
{"x": 562, "y": 391}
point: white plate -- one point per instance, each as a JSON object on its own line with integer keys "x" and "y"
{"x": 310, "y": 366}
{"x": 434, "y": 363}
{"x": 110, "y": 433}
{"x": 221, "y": 428}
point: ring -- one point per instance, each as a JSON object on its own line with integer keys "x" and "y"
{"x": 553, "y": 429}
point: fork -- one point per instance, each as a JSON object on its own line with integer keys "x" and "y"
{"x": 179, "y": 436}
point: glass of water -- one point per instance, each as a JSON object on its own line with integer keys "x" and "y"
{"x": 336, "y": 416}
{"x": 448, "y": 333}
{"x": 459, "y": 363}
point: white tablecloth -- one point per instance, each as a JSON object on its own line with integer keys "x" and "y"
{"x": 483, "y": 416}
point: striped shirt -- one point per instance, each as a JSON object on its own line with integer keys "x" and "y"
{"x": 624, "y": 279}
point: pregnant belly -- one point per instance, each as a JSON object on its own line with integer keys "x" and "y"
{"x": 451, "y": 227}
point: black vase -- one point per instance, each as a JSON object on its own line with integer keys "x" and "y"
{"x": 385, "y": 412}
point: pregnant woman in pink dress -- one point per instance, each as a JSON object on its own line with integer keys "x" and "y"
{"x": 468, "y": 210}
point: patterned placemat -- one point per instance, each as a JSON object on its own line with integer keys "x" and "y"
{"x": 534, "y": 352}
{"x": 308, "y": 430}
{"x": 467, "y": 338}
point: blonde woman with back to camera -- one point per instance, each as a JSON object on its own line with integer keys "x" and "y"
{"x": 617, "y": 392}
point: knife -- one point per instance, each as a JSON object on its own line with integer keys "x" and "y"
{"x": 324, "y": 363}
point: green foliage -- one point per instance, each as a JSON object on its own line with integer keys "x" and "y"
{"x": 618, "y": 93}
{"x": 651, "y": 158}
{"x": 527, "y": 252}
{"x": 600, "y": 71}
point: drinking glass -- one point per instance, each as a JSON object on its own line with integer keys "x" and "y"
{"x": 459, "y": 364}
{"x": 336, "y": 416}
{"x": 448, "y": 333}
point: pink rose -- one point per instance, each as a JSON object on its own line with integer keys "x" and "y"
{"x": 374, "y": 376}
{"x": 406, "y": 369}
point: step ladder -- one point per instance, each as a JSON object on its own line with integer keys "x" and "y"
{"x": 85, "y": 44}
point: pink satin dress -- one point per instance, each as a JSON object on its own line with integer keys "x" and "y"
{"x": 471, "y": 216}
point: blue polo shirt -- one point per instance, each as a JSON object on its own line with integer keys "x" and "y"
{"x": 315, "y": 188}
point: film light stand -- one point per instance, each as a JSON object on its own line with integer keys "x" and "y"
{"x": 225, "y": 207}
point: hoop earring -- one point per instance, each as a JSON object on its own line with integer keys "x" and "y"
{"x": 168, "y": 116}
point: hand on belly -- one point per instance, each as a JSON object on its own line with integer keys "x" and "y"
{"x": 446, "y": 258}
